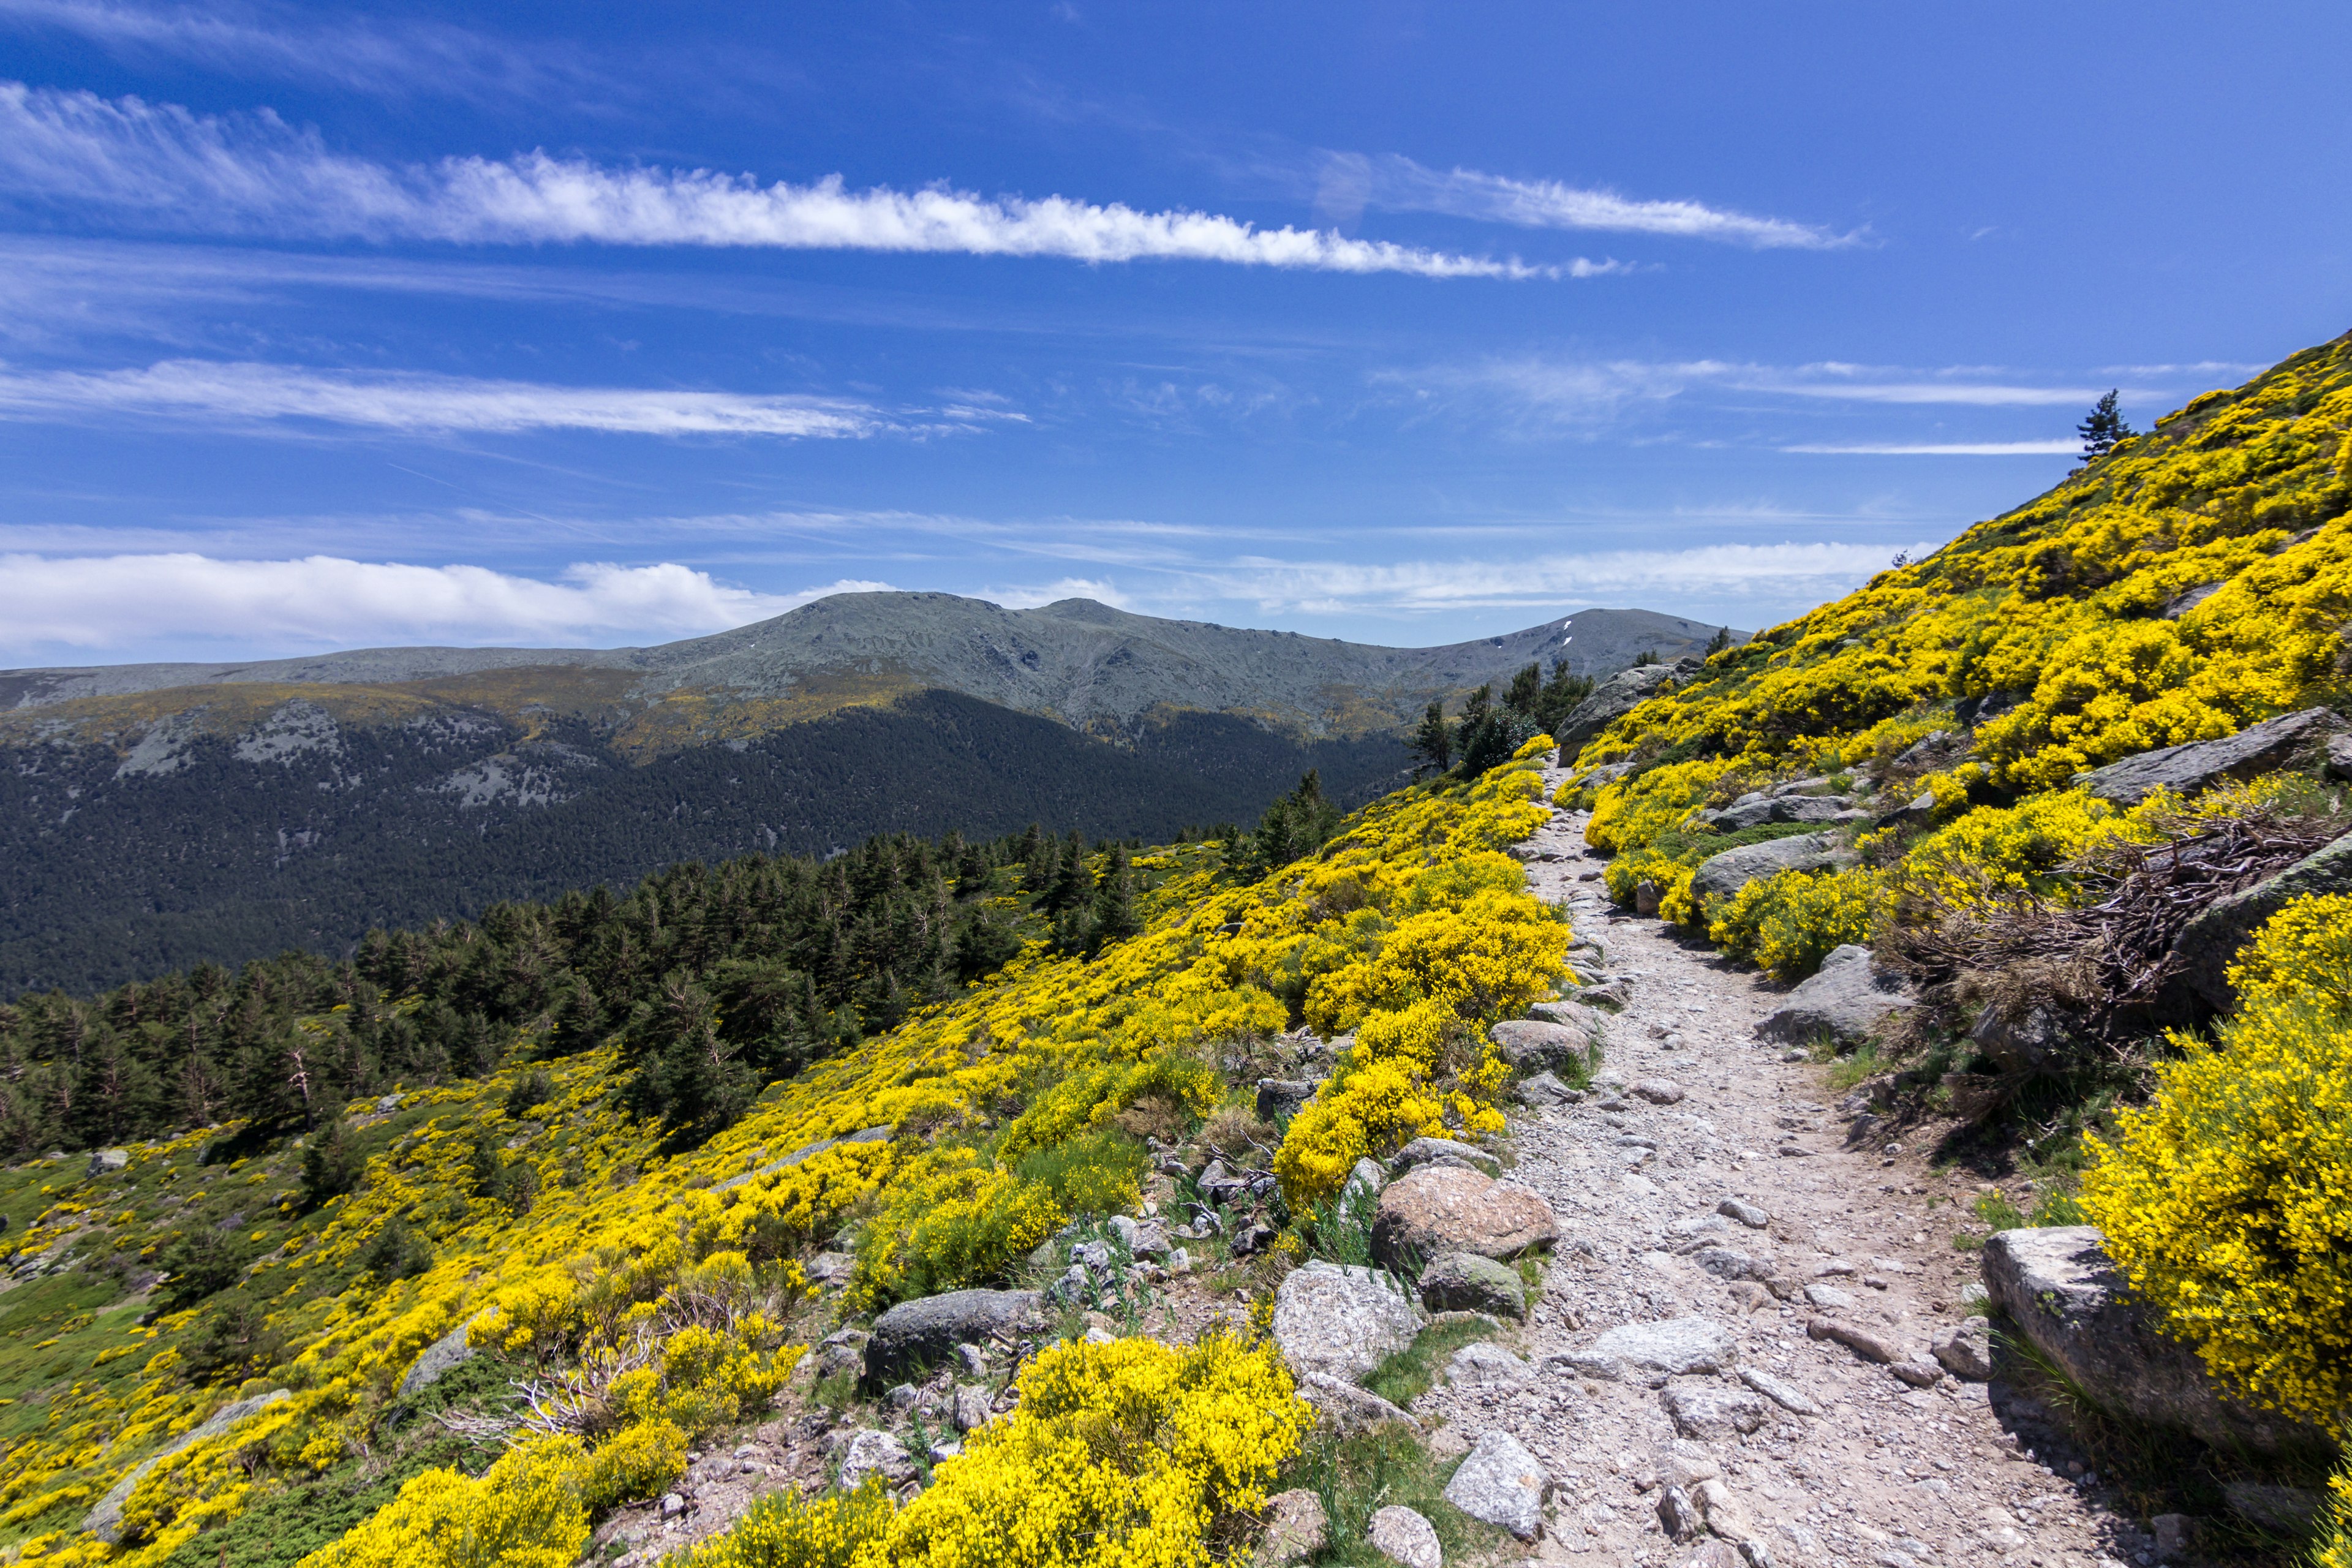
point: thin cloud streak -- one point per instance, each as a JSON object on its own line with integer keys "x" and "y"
{"x": 1947, "y": 449}
{"x": 208, "y": 393}
{"x": 123, "y": 601}
{"x": 257, "y": 175}
{"x": 1399, "y": 184}
{"x": 395, "y": 61}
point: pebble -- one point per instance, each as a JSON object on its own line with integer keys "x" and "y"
{"x": 1746, "y": 1213}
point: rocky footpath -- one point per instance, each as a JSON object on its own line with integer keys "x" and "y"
{"x": 1756, "y": 1341}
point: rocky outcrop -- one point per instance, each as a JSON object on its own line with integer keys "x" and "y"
{"x": 2206, "y": 947}
{"x": 1611, "y": 700}
{"x": 434, "y": 1359}
{"x": 1722, "y": 876}
{"x": 1503, "y": 1485}
{"x": 1341, "y": 1322}
{"x": 1845, "y": 1003}
{"x": 1759, "y": 810}
{"x": 914, "y": 1336}
{"x": 2280, "y": 742}
{"x": 2059, "y": 1288}
{"x": 1439, "y": 1209}
{"x": 1281, "y": 1097}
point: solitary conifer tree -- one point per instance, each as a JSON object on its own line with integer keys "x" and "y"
{"x": 1435, "y": 741}
{"x": 2103, "y": 430}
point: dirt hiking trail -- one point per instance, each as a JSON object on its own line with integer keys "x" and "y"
{"x": 1881, "y": 1471}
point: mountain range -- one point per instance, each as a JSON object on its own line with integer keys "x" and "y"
{"x": 160, "y": 814}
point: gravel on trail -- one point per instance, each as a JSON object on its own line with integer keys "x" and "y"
{"x": 1899, "y": 1463}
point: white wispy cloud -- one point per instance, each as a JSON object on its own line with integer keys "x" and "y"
{"x": 119, "y": 603}
{"x": 1944, "y": 448}
{"x": 380, "y": 58}
{"x": 1399, "y": 184}
{"x": 1764, "y": 575}
{"x": 217, "y": 393}
{"x": 162, "y": 164}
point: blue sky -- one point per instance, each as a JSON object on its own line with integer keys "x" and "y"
{"x": 606, "y": 324}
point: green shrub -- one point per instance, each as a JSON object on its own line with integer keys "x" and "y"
{"x": 1094, "y": 1172}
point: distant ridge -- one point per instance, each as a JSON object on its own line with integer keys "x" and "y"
{"x": 161, "y": 814}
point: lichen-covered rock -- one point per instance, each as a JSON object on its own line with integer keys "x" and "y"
{"x": 1345, "y": 1408}
{"x": 1676, "y": 1347}
{"x": 1503, "y": 1485}
{"x": 2059, "y": 1288}
{"x": 1481, "y": 1365}
{"x": 1465, "y": 1282}
{"x": 1438, "y": 1209}
{"x": 1536, "y": 1045}
{"x": 1295, "y": 1528}
{"x": 1845, "y": 1002}
{"x": 872, "y": 1453}
{"x": 1341, "y": 1321}
{"x": 436, "y": 1359}
{"x": 1711, "y": 1413}
{"x": 105, "y": 1520}
{"x": 1443, "y": 1151}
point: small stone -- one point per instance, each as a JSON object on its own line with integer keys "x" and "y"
{"x": 975, "y": 1362}
{"x": 1295, "y": 1528}
{"x": 1860, "y": 1341}
{"x": 1677, "y": 1515}
{"x": 1544, "y": 1091}
{"x": 1780, "y": 1391}
{"x": 1746, "y": 1213}
{"x": 1712, "y": 1413}
{"x": 1438, "y": 1209}
{"x": 672, "y": 1505}
{"x": 1659, "y": 1091}
{"x": 1450, "y": 1151}
{"x": 1750, "y": 1295}
{"x": 2175, "y": 1534}
{"x": 1966, "y": 1348}
{"x": 1829, "y": 1298}
{"x": 1503, "y": 1485}
{"x": 943, "y": 1450}
{"x": 1728, "y": 1263}
{"x": 1677, "y": 1346}
{"x": 1345, "y": 1408}
{"x": 1404, "y": 1536}
{"x": 974, "y": 1408}
{"x": 1917, "y": 1374}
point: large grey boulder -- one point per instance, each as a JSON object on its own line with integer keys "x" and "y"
{"x": 1845, "y": 1002}
{"x": 450, "y": 1349}
{"x": 1503, "y": 1485}
{"x": 915, "y": 1336}
{"x": 1536, "y": 1045}
{"x": 1344, "y": 1407}
{"x": 108, "y": 1162}
{"x": 105, "y": 1521}
{"x": 1465, "y": 1282}
{"x": 1722, "y": 876}
{"x": 1341, "y": 1321}
{"x": 2198, "y": 765}
{"x": 2062, "y": 1291}
{"x": 1611, "y": 700}
{"x": 1751, "y": 811}
{"x": 2207, "y": 945}
{"x": 1439, "y": 1209}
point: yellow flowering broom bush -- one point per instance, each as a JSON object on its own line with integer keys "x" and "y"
{"x": 525, "y": 1512}
{"x": 1789, "y": 922}
{"x": 2223, "y": 1200}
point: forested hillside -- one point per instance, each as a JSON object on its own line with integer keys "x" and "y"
{"x": 307, "y": 834}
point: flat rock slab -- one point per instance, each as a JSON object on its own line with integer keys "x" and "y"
{"x": 915, "y": 1336}
{"x": 2061, "y": 1289}
{"x": 1780, "y": 1391}
{"x": 1404, "y": 1536}
{"x": 1710, "y": 1412}
{"x": 1341, "y": 1321}
{"x": 1503, "y": 1485}
{"x": 1545, "y": 1090}
{"x": 1845, "y": 1002}
{"x": 1345, "y": 1408}
{"x": 434, "y": 1359}
{"x": 2202, "y": 764}
{"x": 1677, "y": 1347}
{"x": 1465, "y": 1282}
{"x": 1722, "y": 876}
{"x": 1659, "y": 1091}
{"x": 1439, "y": 1209}
{"x": 105, "y": 1521}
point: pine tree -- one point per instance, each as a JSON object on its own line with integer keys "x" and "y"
{"x": 1562, "y": 695}
{"x": 1434, "y": 744}
{"x": 2103, "y": 430}
{"x": 1526, "y": 690}
{"x": 1718, "y": 642}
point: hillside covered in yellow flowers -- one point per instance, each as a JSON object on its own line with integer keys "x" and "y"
{"x": 212, "y": 1348}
